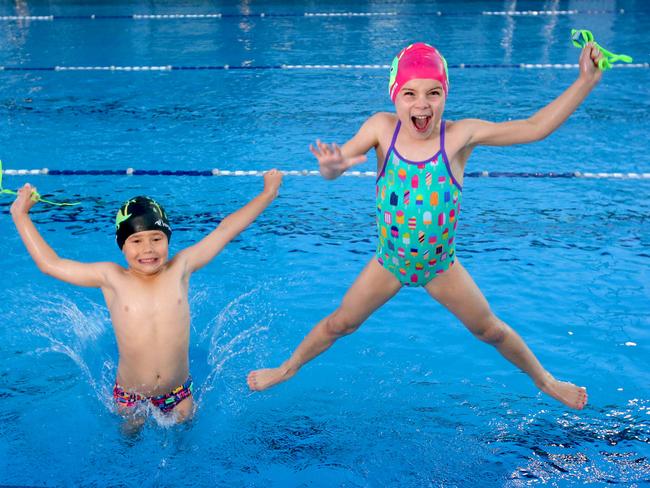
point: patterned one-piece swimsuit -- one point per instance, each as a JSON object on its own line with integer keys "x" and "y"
{"x": 418, "y": 204}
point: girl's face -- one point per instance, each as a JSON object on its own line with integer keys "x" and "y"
{"x": 419, "y": 106}
{"x": 146, "y": 252}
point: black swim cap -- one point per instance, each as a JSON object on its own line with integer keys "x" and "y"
{"x": 139, "y": 214}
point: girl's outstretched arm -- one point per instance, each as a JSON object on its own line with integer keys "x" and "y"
{"x": 480, "y": 132}
{"x": 333, "y": 160}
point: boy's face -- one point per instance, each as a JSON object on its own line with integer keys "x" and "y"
{"x": 146, "y": 252}
{"x": 419, "y": 105}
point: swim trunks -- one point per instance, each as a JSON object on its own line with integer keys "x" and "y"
{"x": 418, "y": 204}
{"x": 166, "y": 403}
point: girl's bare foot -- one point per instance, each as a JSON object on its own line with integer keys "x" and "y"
{"x": 571, "y": 395}
{"x": 261, "y": 379}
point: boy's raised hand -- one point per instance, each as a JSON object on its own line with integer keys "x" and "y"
{"x": 24, "y": 201}
{"x": 332, "y": 163}
{"x": 588, "y": 63}
{"x": 272, "y": 182}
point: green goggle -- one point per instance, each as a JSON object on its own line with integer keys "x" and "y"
{"x": 35, "y": 195}
{"x": 581, "y": 37}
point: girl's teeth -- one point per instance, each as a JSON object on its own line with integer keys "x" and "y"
{"x": 421, "y": 121}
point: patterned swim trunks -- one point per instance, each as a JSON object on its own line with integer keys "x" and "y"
{"x": 166, "y": 403}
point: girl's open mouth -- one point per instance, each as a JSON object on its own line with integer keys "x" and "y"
{"x": 421, "y": 122}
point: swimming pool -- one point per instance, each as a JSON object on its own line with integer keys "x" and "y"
{"x": 411, "y": 399}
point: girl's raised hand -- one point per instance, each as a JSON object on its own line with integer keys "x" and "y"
{"x": 588, "y": 63}
{"x": 332, "y": 163}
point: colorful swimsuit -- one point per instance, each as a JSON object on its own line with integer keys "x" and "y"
{"x": 165, "y": 403}
{"x": 418, "y": 204}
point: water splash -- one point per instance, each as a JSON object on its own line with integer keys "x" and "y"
{"x": 233, "y": 332}
{"x": 76, "y": 333}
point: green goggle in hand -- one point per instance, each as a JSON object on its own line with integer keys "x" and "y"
{"x": 580, "y": 38}
{"x": 35, "y": 195}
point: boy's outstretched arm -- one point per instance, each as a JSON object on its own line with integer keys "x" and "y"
{"x": 74, "y": 272}
{"x": 206, "y": 249}
{"x": 546, "y": 120}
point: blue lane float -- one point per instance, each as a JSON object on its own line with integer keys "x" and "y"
{"x": 226, "y": 67}
{"x": 326, "y": 15}
{"x": 305, "y": 172}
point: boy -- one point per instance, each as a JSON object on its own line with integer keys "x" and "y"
{"x": 148, "y": 300}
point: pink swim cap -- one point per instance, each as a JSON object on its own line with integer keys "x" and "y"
{"x": 418, "y": 60}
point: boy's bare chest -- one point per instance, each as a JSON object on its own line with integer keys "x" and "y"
{"x": 162, "y": 297}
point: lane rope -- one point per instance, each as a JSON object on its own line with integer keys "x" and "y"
{"x": 226, "y": 67}
{"x": 219, "y": 15}
{"x": 305, "y": 172}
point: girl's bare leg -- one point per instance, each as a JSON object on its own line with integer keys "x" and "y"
{"x": 372, "y": 288}
{"x": 456, "y": 290}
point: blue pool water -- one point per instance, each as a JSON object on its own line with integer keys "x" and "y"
{"x": 411, "y": 399}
